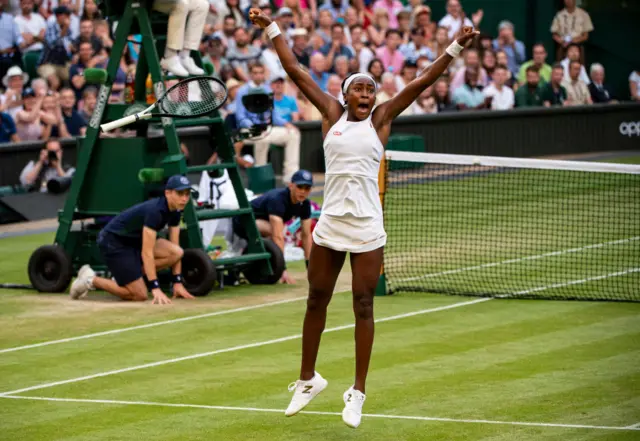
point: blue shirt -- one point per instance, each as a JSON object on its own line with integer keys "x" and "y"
{"x": 320, "y": 81}
{"x": 285, "y": 107}
{"x": 277, "y": 202}
{"x": 10, "y": 35}
{"x": 74, "y": 122}
{"x": 515, "y": 55}
{"x": 246, "y": 119}
{"x": 467, "y": 96}
{"x": 153, "y": 213}
{"x": 7, "y": 127}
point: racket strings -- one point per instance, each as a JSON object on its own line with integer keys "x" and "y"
{"x": 195, "y": 97}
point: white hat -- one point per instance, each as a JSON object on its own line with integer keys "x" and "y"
{"x": 14, "y": 71}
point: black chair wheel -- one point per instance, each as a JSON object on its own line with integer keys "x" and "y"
{"x": 198, "y": 272}
{"x": 253, "y": 273}
{"x": 50, "y": 269}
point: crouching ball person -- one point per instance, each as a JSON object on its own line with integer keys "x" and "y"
{"x": 132, "y": 251}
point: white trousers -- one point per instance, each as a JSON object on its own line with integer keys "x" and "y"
{"x": 186, "y": 22}
{"x": 281, "y": 136}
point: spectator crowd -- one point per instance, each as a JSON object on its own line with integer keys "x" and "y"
{"x": 45, "y": 46}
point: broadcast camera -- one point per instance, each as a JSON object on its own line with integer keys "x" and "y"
{"x": 259, "y": 102}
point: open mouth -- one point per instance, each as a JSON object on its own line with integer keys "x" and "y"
{"x": 363, "y": 106}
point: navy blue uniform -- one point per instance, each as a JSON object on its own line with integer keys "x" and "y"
{"x": 275, "y": 202}
{"x": 120, "y": 241}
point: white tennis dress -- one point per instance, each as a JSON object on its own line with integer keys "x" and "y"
{"x": 351, "y": 218}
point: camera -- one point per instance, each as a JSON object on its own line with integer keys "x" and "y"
{"x": 52, "y": 156}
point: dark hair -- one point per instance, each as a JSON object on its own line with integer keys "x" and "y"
{"x": 533, "y": 68}
{"x": 539, "y": 44}
{"x": 417, "y": 31}
{"x": 337, "y": 25}
{"x": 573, "y": 45}
{"x": 254, "y": 64}
{"x": 502, "y": 66}
{"x": 347, "y": 77}
{"x": 229, "y": 16}
{"x": 574, "y": 62}
{"x": 392, "y": 31}
{"x": 558, "y": 66}
{"x": 375, "y": 60}
{"x": 90, "y": 90}
{"x": 357, "y": 25}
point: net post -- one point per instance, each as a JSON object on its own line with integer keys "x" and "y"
{"x": 381, "y": 287}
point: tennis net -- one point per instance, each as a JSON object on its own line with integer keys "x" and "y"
{"x": 510, "y": 227}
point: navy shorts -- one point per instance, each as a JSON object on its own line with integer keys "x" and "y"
{"x": 124, "y": 261}
{"x": 238, "y": 228}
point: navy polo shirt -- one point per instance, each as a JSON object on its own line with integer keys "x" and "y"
{"x": 154, "y": 213}
{"x": 277, "y": 202}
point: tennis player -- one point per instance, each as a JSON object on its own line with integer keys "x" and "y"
{"x": 132, "y": 251}
{"x": 351, "y": 220}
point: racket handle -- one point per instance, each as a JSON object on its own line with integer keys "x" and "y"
{"x": 124, "y": 121}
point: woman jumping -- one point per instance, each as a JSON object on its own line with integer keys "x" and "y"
{"x": 351, "y": 221}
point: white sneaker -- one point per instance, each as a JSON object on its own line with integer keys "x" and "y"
{"x": 352, "y": 412}
{"x": 174, "y": 66}
{"x": 81, "y": 286}
{"x": 305, "y": 391}
{"x": 190, "y": 66}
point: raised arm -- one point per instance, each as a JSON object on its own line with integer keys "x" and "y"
{"x": 325, "y": 103}
{"x": 389, "y": 110}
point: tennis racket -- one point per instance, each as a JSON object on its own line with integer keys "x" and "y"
{"x": 190, "y": 98}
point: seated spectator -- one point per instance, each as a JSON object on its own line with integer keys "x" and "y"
{"x": 226, "y": 35}
{"x": 571, "y": 25}
{"x": 32, "y": 26}
{"x": 341, "y": 67}
{"x": 500, "y": 95}
{"x": 377, "y": 29}
{"x": 469, "y": 96}
{"x": 270, "y": 59}
{"x": 229, "y": 8}
{"x": 454, "y": 20}
{"x": 600, "y": 92}
{"x": 74, "y": 19}
{"x": 76, "y": 125}
{"x": 36, "y": 174}
{"x": 284, "y": 18}
{"x": 489, "y": 61}
{"x": 56, "y": 56}
{"x": 577, "y": 90}
{"x": 416, "y": 47}
{"x": 337, "y": 8}
{"x": 8, "y": 132}
{"x": 388, "y": 88}
{"x": 389, "y": 54}
{"x": 325, "y": 20}
{"x": 404, "y": 25}
{"x": 39, "y": 86}
{"x": 11, "y": 41}
{"x": 213, "y": 56}
{"x": 281, "y": 133}
{"x": 76, "y": 71}
{"x": 553, "y": 93}
{"x": 51, "y": 118}
{"x": 408, "y": 73}
{"x": 87, "y": 36}
{"x": 318, "y": 70}
{"x": 634, "y": 85}
{"x": 102, "y": 32}
{"x": 334, "y": 88}
{"x": 300, "y": 47}
{"x": 502, "y": 59}
{"x": 242, "y": 54}
{"x": 336, "y": 48}
{"x": 471, "y": 60}
{"x": 539, "y": 61}
{"x": 376, "y": 69}
{"x": 11, "y": 99}
{"x": 28, "y": 125}
{"x": 285, "y": 106}
{"x": 507, "y": 42}
{"x": 363, "y": 55}
{"x": 421, "y": 18}
{"x": 393, "y": 8}
{"x": 573, "y": 54}
{"x": 90, "y": 10}
{"x": 529, "y": 95}
{"x": 89, "y": 101}
{"x": 440, "y": 42}
{"x": 426, "y": 103}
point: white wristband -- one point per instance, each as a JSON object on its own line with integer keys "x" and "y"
{"x": 454, "y": 49}
{"x": 273, "y": 30}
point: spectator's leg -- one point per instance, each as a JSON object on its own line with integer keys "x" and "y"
{"x": 262, "y": 150}
{"x": 195, "y": 25}
{"x": 290, "y": 139}
{"x": 175, "y": 34}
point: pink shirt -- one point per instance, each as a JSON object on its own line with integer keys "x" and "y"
{"x": 458, "y": 78}
{"x": 392, "y": 62}
{"x": 392, "y": 7}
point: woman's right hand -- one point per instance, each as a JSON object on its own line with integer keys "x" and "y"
{"x": 259, "y": 18}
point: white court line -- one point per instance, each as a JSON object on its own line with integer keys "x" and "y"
{"x": 281, "y": 411}
{"x": 521, "y": 259}
{"x": 150, "y": 325}
{"x": 575, "y": 282}
{"x": 234, "y": 348}
{"x": 633, "y": 427}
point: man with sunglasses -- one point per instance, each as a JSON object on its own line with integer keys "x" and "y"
{"x": 278, "y": 206}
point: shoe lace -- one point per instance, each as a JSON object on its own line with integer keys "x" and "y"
{"x": 294, "y": 385}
